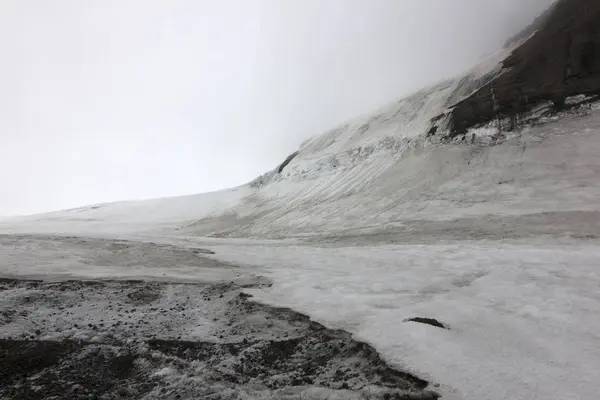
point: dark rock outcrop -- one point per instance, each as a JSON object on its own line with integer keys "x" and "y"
{"x": 286, "y": 162}
{"x": 561, "y": 58}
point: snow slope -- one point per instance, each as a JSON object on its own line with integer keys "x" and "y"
{"x": 370, "y": 144}
{"x": 392, "y": 186}
{"x": 378, "y": 173}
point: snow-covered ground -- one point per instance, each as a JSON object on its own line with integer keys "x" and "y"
{"x": 523, "y": 318}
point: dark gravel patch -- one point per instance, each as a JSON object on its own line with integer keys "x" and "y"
{"x": 250, "y": 351}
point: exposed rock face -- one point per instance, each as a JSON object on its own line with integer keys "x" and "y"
{"x": 560, "y": 59}
{"x": 286, "y": 162}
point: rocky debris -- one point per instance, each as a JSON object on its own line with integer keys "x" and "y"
{"x": 67, "y": 370}
{"x": 147, "y": 294}
{"x": 428, "y": 321}
{"x": 134, "y": 339}
{"x": 559, "y": 57}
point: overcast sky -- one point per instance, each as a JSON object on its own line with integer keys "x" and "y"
{"x": 104, "y": 100}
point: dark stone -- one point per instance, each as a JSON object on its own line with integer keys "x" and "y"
{"x": 428, "y": 321}
{"x": 203, "y": 251}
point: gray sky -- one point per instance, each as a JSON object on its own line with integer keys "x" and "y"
{"x": 105, "y": 100}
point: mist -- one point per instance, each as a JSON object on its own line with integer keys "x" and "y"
{"x": 108, "y": 100}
